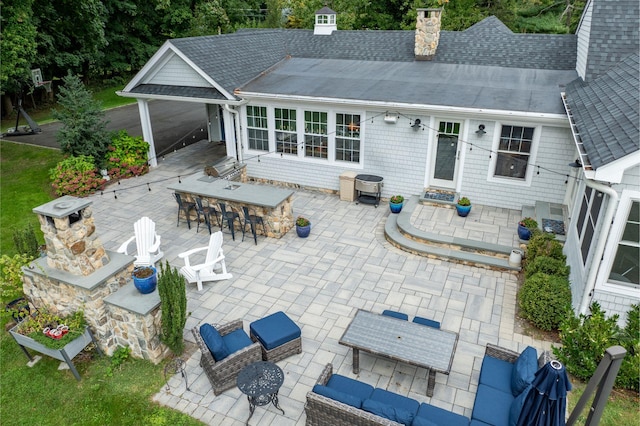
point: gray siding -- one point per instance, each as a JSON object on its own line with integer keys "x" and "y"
{"x": 583, "y": 40}
{"x": 177, "y": 72}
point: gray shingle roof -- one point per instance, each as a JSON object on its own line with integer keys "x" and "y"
{"x": 606, "y": 112}
{"x": 614, "y": 34}
{"x": 179, "y": 91}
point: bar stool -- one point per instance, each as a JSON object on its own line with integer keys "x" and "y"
{"x": 206, "y": 210}
{"x": 184, "y": 206}
{"x": 252, "y": 220}
{"x": 229, "y": 217}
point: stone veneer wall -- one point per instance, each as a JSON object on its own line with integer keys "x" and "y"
{"x": 427, "y": 33}
{"x": 73, "y": 247}
{"x": 63, "y": 293}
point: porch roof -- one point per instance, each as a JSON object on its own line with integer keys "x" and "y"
{"x": 416, "y": 83}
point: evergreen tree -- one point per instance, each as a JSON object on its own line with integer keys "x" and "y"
{"x": 83, "y": 130}
{"x": 173, "y": 303}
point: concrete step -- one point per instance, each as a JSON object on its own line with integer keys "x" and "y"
{"x": 400, "y": 232}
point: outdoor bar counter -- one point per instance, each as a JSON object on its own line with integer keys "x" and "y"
{"x": 273, "y": 204}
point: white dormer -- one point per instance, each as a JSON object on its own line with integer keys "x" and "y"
{"x": 325, "y": 22}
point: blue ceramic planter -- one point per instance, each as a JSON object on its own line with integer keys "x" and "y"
{"x": 148, "y": 284}
{"x": 395, "y": 207}
{"x": 463, "y": 211}
{"x": 303, "y": 231}
{"x": 524, "y": 233}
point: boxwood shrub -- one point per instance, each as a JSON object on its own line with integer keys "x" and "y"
{"x": 544, "y": 300}
{"x": 544, "y": 244}
{"x": 548, "y": 265}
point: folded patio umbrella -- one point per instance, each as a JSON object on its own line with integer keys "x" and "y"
{"x": 546, "y": 402}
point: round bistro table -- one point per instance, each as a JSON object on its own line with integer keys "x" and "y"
{"x": 261, "y": 382}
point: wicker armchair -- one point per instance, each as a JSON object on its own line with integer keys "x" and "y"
{"x": 222, "y": 374}
{"x": 511, "y": 356}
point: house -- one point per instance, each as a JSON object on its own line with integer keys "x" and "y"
{"x": 486, "y": 113}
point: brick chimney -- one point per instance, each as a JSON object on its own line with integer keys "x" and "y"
{"x": 427, "y": 34}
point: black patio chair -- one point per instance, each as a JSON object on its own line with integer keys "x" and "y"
{"x": 204, "y": 209}
{"x": 184, "y": 206}
{"x": 229, "y": 216}
{"x": 252, "y": 220}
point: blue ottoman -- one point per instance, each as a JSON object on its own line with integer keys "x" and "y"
{"x": 278, "y": 336}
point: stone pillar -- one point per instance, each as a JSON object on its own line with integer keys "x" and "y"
{"x": 427, "y": 33}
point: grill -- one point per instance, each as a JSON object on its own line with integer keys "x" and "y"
{"x": 368, "y": 189}
{"x": 227, "y": 168}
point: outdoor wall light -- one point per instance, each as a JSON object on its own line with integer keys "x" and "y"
{"x": 416, "y": 124}
{"x": 576, "y": 164}
{"x": 480, "y": 130}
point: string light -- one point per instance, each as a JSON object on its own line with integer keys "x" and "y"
{"x": 149, "y": 187}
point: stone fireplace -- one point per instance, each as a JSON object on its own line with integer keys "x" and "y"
{"x": 427, "y": 33}
{"x": 77, "y": 273}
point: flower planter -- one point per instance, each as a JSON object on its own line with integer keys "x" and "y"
{"x": 148, "y": 284}
{"x": 65, "y": 354}
{"x": 303, "y": 231}
{"x": 524, "y": 233}
{"x": 395, "y": 207}
{"x": 463, "y": 211}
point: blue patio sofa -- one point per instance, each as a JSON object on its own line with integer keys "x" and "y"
{"x": 336, "y": 400}
{"x": 505, "y": 377}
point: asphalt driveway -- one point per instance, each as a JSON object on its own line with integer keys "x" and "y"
{"x": 175, "y": 125}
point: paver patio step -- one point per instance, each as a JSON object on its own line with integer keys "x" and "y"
{"x": 401, "y": 233}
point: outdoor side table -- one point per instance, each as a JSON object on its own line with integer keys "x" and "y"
{"x": 261, "y": 382}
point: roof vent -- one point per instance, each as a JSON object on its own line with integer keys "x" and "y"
{"x": 325, "y": 22}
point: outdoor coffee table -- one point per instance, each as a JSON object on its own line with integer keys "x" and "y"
{"x": 261, "y": 382}
{"x": 401, "y": 340}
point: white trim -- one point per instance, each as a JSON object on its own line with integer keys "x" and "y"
{"x": 613, "y": 239}
{"x": 535, "y": 143}
{"x": 181, "y": 98}
{"x": 488, "y": 114}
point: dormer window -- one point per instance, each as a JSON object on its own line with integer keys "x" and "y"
{"x": 325, "y": 22}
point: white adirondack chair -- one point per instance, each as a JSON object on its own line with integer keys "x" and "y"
{"x": 147, "y": 243}
{"x": 214, "y": 260}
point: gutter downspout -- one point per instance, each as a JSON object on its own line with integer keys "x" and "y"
{"x": 608, "y": 218}
{"x": 237, "y": 123}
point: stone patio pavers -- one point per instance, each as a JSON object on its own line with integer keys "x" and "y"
{"x": 345, "y": 265}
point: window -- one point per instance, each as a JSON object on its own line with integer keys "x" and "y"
{"x": 514, "y": 149}
{"x": 626, "y": 264}
{"x": 286, "y": 136}
{"x": 588, "y": 219}
{"x": 348, "y": 137}
{"x": 325, "y": 19}
{"x": 315, "y": 134}
{"x": 257, "y": 128}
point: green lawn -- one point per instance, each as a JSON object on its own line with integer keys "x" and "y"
{"x": 42, "y": 395}
{"x": 24, "y": 184}
{"x": 623, "y": 407}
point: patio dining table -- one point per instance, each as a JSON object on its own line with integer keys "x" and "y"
{"x": 401, "y": 340}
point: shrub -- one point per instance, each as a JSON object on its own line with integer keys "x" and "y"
{"x": 76, "y": 176}
{"x": 11, "y": 276}
{"x": 173, "y": 303}
{"x": 127, "y": 156}
{"x": 629, "y": 374}
{"x": 547, "y": 265}
{"x": 544, "y": 300}
{"x": 26, "y": 242}
{"x": 544, "y": 244}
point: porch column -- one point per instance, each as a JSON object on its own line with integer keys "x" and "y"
{"x": 147, "y": 132}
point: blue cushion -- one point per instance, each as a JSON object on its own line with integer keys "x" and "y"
{"x": 395, "y": 400}
{"x": 395, "y": 314}
{"x": 236, "y": 340}
{"x": 336, "y": 395}
{"x": 441, "y": 416}
{"x": 475, "y": 422}
{"x": 516, "y": 406}
{"x": 421, "y": 421}
{"x": 388, "y": 411}
{"x": 492, "y": 406}
{"x": 350, "y": 386}
{"x": 524, "y": 370}
{"x": 427, "y": 322}
{"x": 274, "y": 330}
{"x": 214, "y": 342}
{"x": 496, "y": 373}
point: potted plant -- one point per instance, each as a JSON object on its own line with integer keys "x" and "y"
{"x": 525, "y": 227}
{"x": 303, "y": 227}
{"x": 395, "y": 203}
{"x": 463, "y": 206}
{"x": 145, "y": 279}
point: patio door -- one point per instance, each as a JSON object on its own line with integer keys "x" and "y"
{"x": 444, "y": 168}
